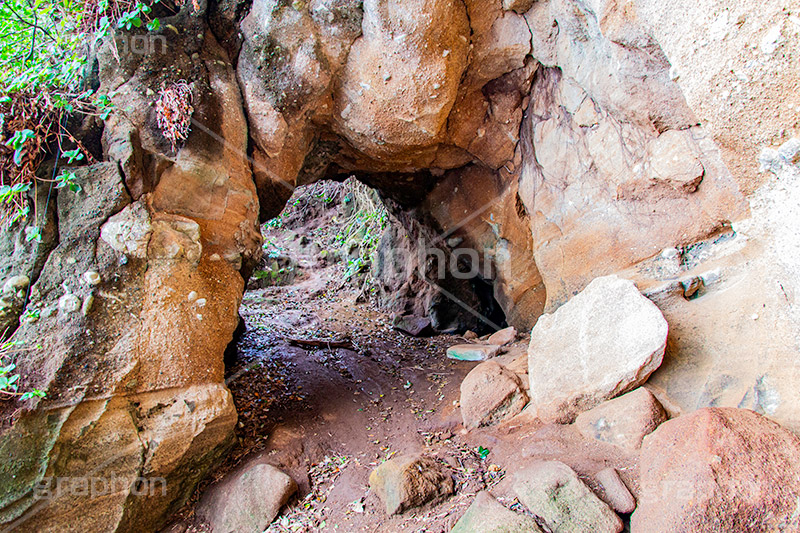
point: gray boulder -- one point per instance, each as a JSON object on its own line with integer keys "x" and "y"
{"x": 487, "y": 515}
{"x": 553, "y": 492}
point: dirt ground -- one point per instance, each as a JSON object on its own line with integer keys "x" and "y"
{"x": 328, "y": 415}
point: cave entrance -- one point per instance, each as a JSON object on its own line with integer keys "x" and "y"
{"x": 322, "y": 375}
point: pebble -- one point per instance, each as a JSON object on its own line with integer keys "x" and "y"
{"x": 69, "y": 303}
{"x": 15, "y": 283}
{"x": 91, "y": 277}
{"x": 88, "y": 302}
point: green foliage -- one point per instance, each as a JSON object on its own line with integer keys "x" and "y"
{"x": 68, "y": 180}
{"x": 72, "y": 155}
{"x": 9, "y": 380}
{"x": 40, "y": 44}
{"x": 30, "y": 315}
{"x": 44, "y": 46}
{"x": 483, "y": 453}
{"x": 17, "y": 143}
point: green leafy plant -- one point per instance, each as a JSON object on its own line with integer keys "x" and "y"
{"x": 17, "y": 143}
{"x": 72, "y": 155}
{"x": 68, "y": 180}
{"x": 9, "y": 380}
{"x": 30, "y": 315}
{"x": 44, "y": 46}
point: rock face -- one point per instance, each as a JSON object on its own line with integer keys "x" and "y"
{"x": 246, "y": 501}
{"x": 603, "y": 342}
{"x": 387, "y": 105}
{"x": 132, "y": 367}
{"x": 719, "y": 469}
{"x": 543, "y": 143}
{"x": 623, "y": 421}
{"x": 553, "y": 492}
{"x": 12, "y": 300}
{"x": 490, "y": 394}
{"x": 486, "y": 515}
{"x": 410, "y": 481}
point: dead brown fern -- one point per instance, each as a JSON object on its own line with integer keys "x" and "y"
{"x": 174, "y": 112}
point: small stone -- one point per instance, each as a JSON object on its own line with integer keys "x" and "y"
{"x": 623, "y": 421}
{"x": 553, "y": 492}
{"x": 16, "y": 283}
{"x": 129, "y": 231}
{"x": 410, "y": 481}
{"x": 470, "y": 335}
{"x": 487, "y": 515}
{"x": 69, "y": 303}
{"x": 670, "y": 253}
{"x": 86, "y": 307}
{"x": 192, "y": 296}
{"x": 691, "y": 287}
{"x": 92, "y": 278}
{"x": 472, "y": 352}
{"x": 520, "y": 6}
{"x": 412, "y": 325}
{"x": 490, "y": 394}
{"x": 614, "y": 492}
{"x": 503, "y": 337}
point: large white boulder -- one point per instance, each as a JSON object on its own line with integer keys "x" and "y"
{"x": 602, "y": 343}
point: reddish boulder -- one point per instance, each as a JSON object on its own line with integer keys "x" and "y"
{"x": 719, "y": 469}
{"x": 623, "y": 421}
{"x": 490, "y": 394}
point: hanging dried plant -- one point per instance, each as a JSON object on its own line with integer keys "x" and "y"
{"x": 174, "y": 112}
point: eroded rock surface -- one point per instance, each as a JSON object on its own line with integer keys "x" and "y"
{"x": 559, "y": 141}
{"x": 490, "y": 394}
{"x": 718, "y": 469}
{"x": 623, "y": 421}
